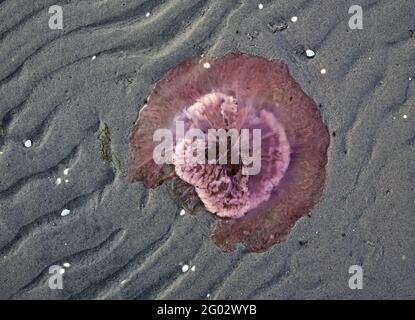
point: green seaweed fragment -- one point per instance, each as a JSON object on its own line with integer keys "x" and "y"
{"x": 104, "y": 136}
{"x": 3, "y": 131}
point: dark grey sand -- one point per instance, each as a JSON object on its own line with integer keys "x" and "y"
{"x": 123, "y": 241}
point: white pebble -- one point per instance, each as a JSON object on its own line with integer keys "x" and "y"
{"x": 294, "y": 19}
{"x": 66, "y": 171}
{"x": 1, "y": 152}
{"x": 405, "y": 116}
{"x": 62, "y": 271}
{"x": 323, "y": 71}
{"x": 260, "y": 6}
{"x": 28, "y": 143}
{"x": 193, "y": 268}
{"x": 410, "y": 79}
{"x": 94, "y": 57}
{"x": 208, "y": 295}
{"x": 310, "y": 53}
{"x": 66, "y": 264}
{"x": 182, "y": 212}
{"x": 206, "y": 65}
{"x": 58, "y": 181}
{"x": 65, "y": 212}
{"x": 185, "y": 268}
{"x": 66, "y": 180}
{"x": 147, "y": 14}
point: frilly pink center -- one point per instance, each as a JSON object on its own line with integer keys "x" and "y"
{"x": 224, "y": 189}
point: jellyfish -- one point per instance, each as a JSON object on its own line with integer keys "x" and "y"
{"x": 256, "y": 143}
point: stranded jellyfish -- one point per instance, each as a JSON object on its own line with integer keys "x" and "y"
{"x": 237, "y": 137}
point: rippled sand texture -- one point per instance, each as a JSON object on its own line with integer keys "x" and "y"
{"x": 123, "y": 241}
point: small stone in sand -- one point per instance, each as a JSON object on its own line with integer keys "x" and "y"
{"x": 260, "y": 6}
{"x": 323, "y": 71}
{"x": 206, "y": 65}
{"x": 182, "y": 212}
{"x": 185, "y": 268}
{"x": 66, "y": 264}
{"x": 294, "y": 19}
{"x": 277, "y": 26}
{"x": 405, "y": 116}
{"x": 28, "y": 143}
{"x": 62, "y": 271}
{"x": 193, "y": 268}
{"x": 66, "y": 171}
{"x": 65, "y": 212}
{"x": 310, "y": 53}
{"x": 58, "y": 181}
{"x": 148, "y": 14}
{"x": 94, "y": 57}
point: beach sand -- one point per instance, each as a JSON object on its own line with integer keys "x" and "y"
{"x": 75, "y": 93}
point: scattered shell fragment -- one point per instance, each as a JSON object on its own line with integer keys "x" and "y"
{"x": 28, "y": 143}
{"x": 310, "y": 53}
{"x": 65, "y": 212}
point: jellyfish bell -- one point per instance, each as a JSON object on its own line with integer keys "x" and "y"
{"x": 237, "y": 92}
